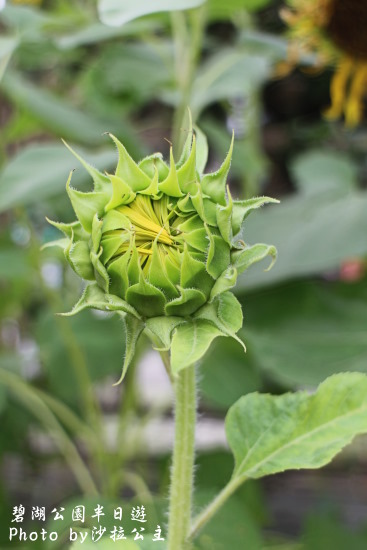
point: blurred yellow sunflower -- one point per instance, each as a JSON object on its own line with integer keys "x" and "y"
{"x": 336, "y": 32}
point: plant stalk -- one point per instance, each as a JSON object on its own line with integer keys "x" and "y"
{"x": 182, "y": 472}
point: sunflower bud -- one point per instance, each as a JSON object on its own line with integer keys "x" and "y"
{"x": 159, "y": 244}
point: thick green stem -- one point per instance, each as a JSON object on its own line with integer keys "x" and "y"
{"x": 207, "y": 514}
{"x": 183, "y": 460}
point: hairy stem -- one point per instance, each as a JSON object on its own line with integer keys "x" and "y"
{"x": 183, "y": 460}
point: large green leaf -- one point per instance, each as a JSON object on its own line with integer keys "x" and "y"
{"x": 302, "y": 332}
{"x": 119, "y": 12}
{"x": 269, "y": 434}
{"x": 41, "y": 171}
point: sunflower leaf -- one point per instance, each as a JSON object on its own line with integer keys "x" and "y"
{"x": 270, "y": 434}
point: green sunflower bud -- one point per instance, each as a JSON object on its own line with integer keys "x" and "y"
{"x": 159, "y": 244}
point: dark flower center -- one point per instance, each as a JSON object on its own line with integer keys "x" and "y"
{"x": 347, "y": 27}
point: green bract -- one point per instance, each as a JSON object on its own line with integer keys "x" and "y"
{"x": 160, "y": 245}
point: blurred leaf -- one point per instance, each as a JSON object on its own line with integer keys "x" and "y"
{"x": 94, "y": 336}
{"x": 8, "y": 361}
{"x": 119, "y": 12}
{"x": 24, "y": 19}
{"x": 226, "y": 374}
{"x": 252, "y": 5}
{"x": 20, "y": 126}
{"x": 14, "y": 264}
{"x": 15, "y": 422}
{"x": 212, "y": 472}
{"x": 282, "y": 544}
{"x": 220, "y": 10}
{"x": 231, "y": 526}
{"x": 35, "y": 25}
{"x": 96, "y": 32}
{"x": 105, "y": 544}
{"x": 312, "y": 234}
{"x": 248, "y": 161}
{"x": 41, "y": 171}
{"x": 126, "y": 74}
{"x": 328, "y": 532}
{"x": 7, "y": 46}
{"x": 318, "y": 172}
{"x": 129, "y": 544}
{"x": 300, "y": 227}
{"x": 270, "y": 434}
{"x": 54, "y": 112}
{"x": 226, "y": 75}
{"x": 37, "y": 407}
{"x": 5, "y": 512}
{"x": 262, "y": 43}
{"x": 17, "y": 278}
{"x": 155, "y": 514}
{"x": 303, "y": 332}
